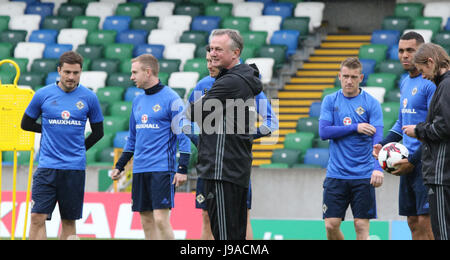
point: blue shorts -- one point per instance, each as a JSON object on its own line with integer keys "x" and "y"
{"x": 152, "y": 190}
{"x": 63, "y": 186}
{"x": 338, "y": 194}
{"x": 413, "y": 194}
{"x": 200, "y": 198}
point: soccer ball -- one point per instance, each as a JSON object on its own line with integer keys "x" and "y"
{"x": 390, "y": 154}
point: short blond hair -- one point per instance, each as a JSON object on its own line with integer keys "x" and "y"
{"x": 352, "y": 63}
{"x": 148, "y": 61}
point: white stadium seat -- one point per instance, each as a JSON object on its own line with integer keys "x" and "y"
{"x": 26, "y": 22}
{"x": 268, "y": 23}
{"x": 100, "y": 9}
{"x": 179, "y": 23}
{"x": 376, "y": 92}
{"x": 248, "y": 9}
{"x": 313, "y": 10}
{"x": 29, "y": 50}
{"x": 265, "y": 67}
{"x": 180, "y": 51}
{"x": 183, "y": 79}
{"x": 163, "y": 37}
{"x": 12, "y": 8}
{"x": 72, "y": 36}
{"x": 93, "y": 79}
{"x": 159, "y": 9}
{"x": 437, "y": 9}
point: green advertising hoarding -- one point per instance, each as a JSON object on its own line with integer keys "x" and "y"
{"x": 311, "y": 229}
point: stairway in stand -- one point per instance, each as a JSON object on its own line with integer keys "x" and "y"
{"x": 306, "y": 86}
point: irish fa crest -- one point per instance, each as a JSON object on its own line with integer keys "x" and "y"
{"x": 80, "y": 105}
{"x": 360, "y": 110}
{"x": 156, "y": 108}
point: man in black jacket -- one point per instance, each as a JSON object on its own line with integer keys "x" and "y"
{"x": 226, "y": 115}
{"x": 434, "y": 64}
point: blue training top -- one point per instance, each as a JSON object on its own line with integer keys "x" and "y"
{"x": 64, "y": 117}
{"x": 351, "y": 152}
{"x": 416, "y": 95}
{"x": 155, "y": 128}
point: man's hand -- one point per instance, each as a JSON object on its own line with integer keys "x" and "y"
{"x": 116, "y": 174}
{"x": 366, "y": 129}
{"x": 403, "y": 167}
{"x": 409, "y": 130}
{"x": 179, "y": 179}
{"x": 376, "y": 150}
{"x": 377, "y": 178}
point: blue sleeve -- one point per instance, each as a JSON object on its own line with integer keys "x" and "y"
{"x": 95, "y": 112}
{"x": 34, "y": 109}
{"x": 129, "y": 146}
{"x": 264, "y": 109}
{"x": 377, "y": 137}
{"x": 178, "y": 120}
{"x": 329, "y": 131}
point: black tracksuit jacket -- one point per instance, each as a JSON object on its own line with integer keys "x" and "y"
{"x": 226, "y": 152}
{"x": 435, "y": 135}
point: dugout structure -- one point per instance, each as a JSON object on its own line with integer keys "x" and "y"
{"x": 13, "y": 102}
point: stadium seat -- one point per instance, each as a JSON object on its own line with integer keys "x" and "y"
{"x": 120, "y": 139}
{"x": 247, "y": 9}
{"x": 159, "y": 9}
{"x": 181, "y": 79}
{"x": 55, "y": 22}
{"x": 242, "y": 24}
{"x": 4, "y": 22}
{"x": 105, "y": 142}
{"x": 368, "y": 66}
{"x": 105, "y": 64}
{"x": 45, "y": 36}
{"x": 156, "y": 50}
{"x": 12, "y": 8}
{"x": 5, "y": 50}
{"x": 93, "y": 79}
{"x": 120, "y": 108}
{"x": 164, "y": 78}
{"x": 281, "y": 9}
{"x": 392, "y": 53}
{"x": 197, "y": 65}
{"x": 163, "y": 37}
{"x": 132, "y": 92}
{"x": 428, "y": 23}
{"x": 314, "y": 109}
{"x": 42, "y": 9}
{"x": 10, "y": 68}
{"x": 288, "y": 38}
{"x": 319, "y": 143}
{"x": 144, "y": 23}
{"x": 385, "y": 80}
{"x": 221, "y": 10}
{"x": 396, "y": 23}
{"x": 90, "y": 51}
{"x": 6, "y": 78}
{"x": 426, "y": 34}
{"x": 376, "y": 52}
{"x": 54, "y": 51}
{"x": 442, "y": 38}
{"x": 267, "y": 23}
{"x": 100, "y": 9}
{"x": 255, "y": 38}
{"x": 13, "y": 36}
{"x": 447, "y": 25}
{"x": 44, "y": 66}
{"x": 29, "y": 50}
{"x": 181, "y": 51}
{"x": 411, "y": 10}
{"x": 23, "y": 157}
{"x": 189, "y": 8}
{"x": 199, "y": 38}
{"x": 71, "y": 10}
{"x": 132, "y": 10}
{"x": 377, "y": 92}
{"x": 277, "y": 52}
{"x": 265, "y": 67}
{"x": 308, "y": 124}
{"x": 248, "y": 52}
{"x": 391, "y": 66}
{"x": 390, "y": 110}
{"x": 91, "y": 23}
{"x": 31, "y": 79}
{"x": 387, "y": 37}
{"x": 392, "y": 96}
{"x": 52, "y": 77}
{"x": 301, "y": 141}
{"x": 178, "y": 23}
{"x": 116, "y": 23}
{"x": 101, "y": 37}
{"x": 135, "y": 37}
{"x": 437, "y": 9}
{"x": 205, "y": 23}
{"x": 317, "y": 156}
{"x": 300, "y": 24}
{"x": 119, "y": 79}
{"x": 286, "y": 156}
{"x": 110, "y": 94}
{"x": 313, "y": 10}
{"x": 120, "y": 51}
{"x": 106, "y": 155}
{"x": 169, "y": 65}
{"x": 180, "y": 91}
{"x": 72, "y": 36}
{"x": 27, "y": 22}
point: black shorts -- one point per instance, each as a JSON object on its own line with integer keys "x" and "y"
{"x": 226, "y": 204}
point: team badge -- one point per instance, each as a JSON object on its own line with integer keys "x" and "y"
{"x": 144, "y": 119}
{"x": 360, "y": 110}
{"x": 65, "y": 114}
{"x": 347, "y": 121}
{"x": 80, "y": 105}
{"x": 156, "y": 107}
{"x": 414, "y": 91}
{"x": 324, "y": 208}
{"x": 200, "y": 198}
{"x": 405, "y": 102}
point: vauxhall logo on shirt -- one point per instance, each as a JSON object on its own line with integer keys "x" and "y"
{"x": 65, "y": 115}
{"x": 144, "y": 121}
